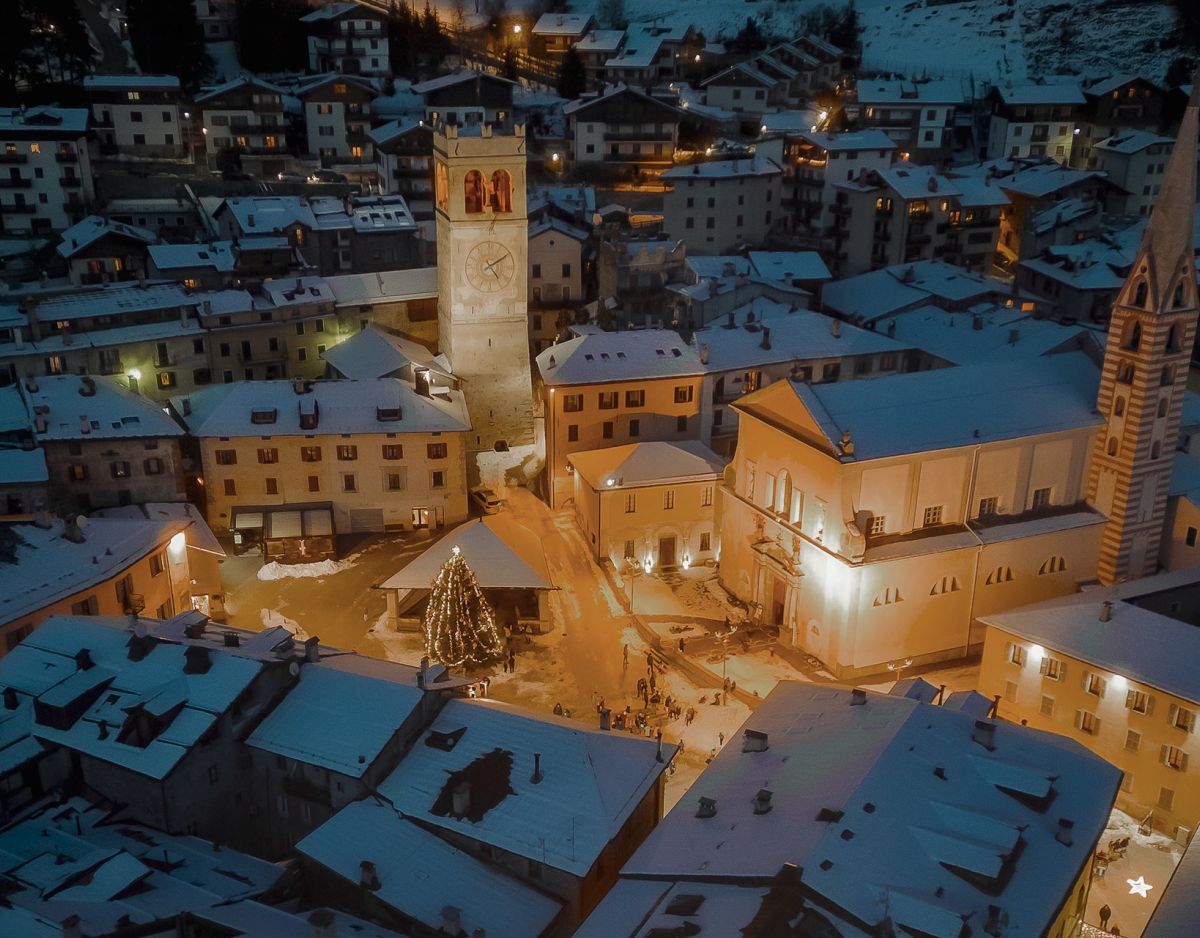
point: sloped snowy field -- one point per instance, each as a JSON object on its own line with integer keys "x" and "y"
{"x": 984, "y": 39}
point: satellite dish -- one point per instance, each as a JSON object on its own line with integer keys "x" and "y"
{"x": 293, "y": 669}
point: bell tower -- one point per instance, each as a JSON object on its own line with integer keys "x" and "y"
{"x": 483, "y": 278}
{"x": 1150, "y": 339}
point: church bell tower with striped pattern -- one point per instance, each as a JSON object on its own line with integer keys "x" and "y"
{"x": 1150, "y": 339}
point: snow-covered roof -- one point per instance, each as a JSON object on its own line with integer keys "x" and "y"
{"x": 619, "y": 90}
{"x": 114, "y": 299}
{"x": 22, "y": 466}
{"x": 394, "y": 130}
{"x": 85, "y": 233}
{"x": 312, "y": 83}
{"x": 658, "y": 462}
{"x": 14, "y": 415}
{"x": 457, "y": 78}
{"x": 914, "y": 93}
{"x": 243, "y": 81}
{"x": 601, "y": 40}
{"x": 563, "y": 24}
{"x": 856, "y": 140}
{"x": 1105, "y": 86}
{"x": 632, "y": 355}
{"x": 502, "y": 554}
{"x": 374, "y": 353}
{"x": 792, "y": 121}
{"x": 590, "y": 782}
{"x": 47, "y": 566}
{"x": 338, "y": 717}
{"x": 887, "y": 808}
{"x": 1032, "y": 177}
{"x": 269, "y": 214}
{"x": 1062, "y": 91}
{"x": 358, "y": 289}
{"x": 890, "y": 289}
{"x": 248, "y": 917}
{"x": 940, "y": 409}
{"x": 554, "y": 223}
{"x": 44, "y": 121}
{"x": 796, "y": 335}
{"x": 219, "y": 255}
{"x": 385, "y": 405}
{"x": 653, "y": 908}
{"x": 186, "y": 704}
{"x": 122, "y": 82}
{"x": 748, "y": 71}
{"x": 420, "y": 874}
{"x": 80, "y": 407}
{"x": 1133, "y": 141}
{"x": 725, "y": 169}
{"x": 335, "y": 11}
{"x": 789, "y": 266}
{"x": 574, "y": 200}
{"x": 1138, "y": 641}
{"x": 1066, "y": 212}
{"x": 197, "y": 533}
{"x": 987, "y": 332}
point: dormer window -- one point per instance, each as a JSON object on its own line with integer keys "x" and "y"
{"x": 387, "y": 414}
{"x": 263, "y": 416}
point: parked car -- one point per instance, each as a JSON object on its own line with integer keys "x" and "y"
{"x": 326, "y": 175}
{"x": 291, "y": 177}
{"x": 487, "y": 500}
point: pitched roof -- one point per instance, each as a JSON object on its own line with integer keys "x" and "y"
{"x": 85, "y": 233}
{"x": 725, "y": 169}
{"x": 374, "y": 353}
{"x": 591, "y": 781}
{"x": 420, "y": 874}
{"x": 502, "y": 554}
{"x": 875, "y": 831}
{"x": 651, "y": 463}
{"x": 940, "y": 409}
{"x": 619, "y": 356}
{"x": 338, "y": 718}
{"x": 78, "y": 407}
{"x": 340, "y": 406}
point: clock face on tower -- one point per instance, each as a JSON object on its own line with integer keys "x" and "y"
{"x": 490, "y": 267}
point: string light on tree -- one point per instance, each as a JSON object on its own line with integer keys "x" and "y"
{"x": 460, "y": 627}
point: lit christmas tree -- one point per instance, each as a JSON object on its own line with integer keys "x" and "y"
{"x": 460, "y": 627}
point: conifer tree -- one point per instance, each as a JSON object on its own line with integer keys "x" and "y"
{"x": 460, "y": 627}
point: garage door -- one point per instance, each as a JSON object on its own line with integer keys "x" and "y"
{"x": 366, "y": 520}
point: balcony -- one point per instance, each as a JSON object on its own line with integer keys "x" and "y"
{"x": 267, "y": 107}
{"x": 66, "y": 156}
{"x": 17, "y": 183}
{"x": 14, "y": 158}
{"x": 17, "y": 209}
{"x": 254, "y": 130}
{"x": 70, "y": 182}
{"x": 263, "y": 356}
{"x": 639, "y": 136}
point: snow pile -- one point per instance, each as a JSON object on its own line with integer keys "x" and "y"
{"x": 272, "y": 619}
{"x": 283, "y": 571}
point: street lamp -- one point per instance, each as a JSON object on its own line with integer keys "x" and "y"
{"x": 897, "y": 667}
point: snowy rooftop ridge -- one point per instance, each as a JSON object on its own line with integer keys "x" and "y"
{"x": 632, "y": 355}
{"x": 881, "y": 798}
{"x": 651, "y": 463}
{"x": 75, "y": 407}
{"x": 502, "y": 554}
{"x": 543, "y": 788}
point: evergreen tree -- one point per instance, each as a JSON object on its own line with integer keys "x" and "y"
{"x": 572, "y": 79}
{"x": 434, "y": 43}
{"x": 167, "y": 39}
{"x": 611, "y": 14}
{"x": 845, "y": 32}
{"x": 67, "y": 48}
{"x": 460, "y": 627}
{"x": 402, "y": 39}
{"x": 18, "y": 63}
{"x": 286, "y": 49}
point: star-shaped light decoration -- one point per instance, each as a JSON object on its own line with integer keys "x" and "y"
{"x": 1139, "y": 886}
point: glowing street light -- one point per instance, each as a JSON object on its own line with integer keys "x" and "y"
{"x": 516, "y": 29}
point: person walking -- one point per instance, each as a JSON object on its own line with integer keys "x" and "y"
{"x": 625, "y": 657}
{"x": 1105, "y": 915}
{"x": 512, "y": 662}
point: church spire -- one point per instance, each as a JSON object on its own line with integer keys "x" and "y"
{"x": 1167, "y": 243}
{"x": 1150, "y": 338}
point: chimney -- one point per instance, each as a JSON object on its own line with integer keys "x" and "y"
{"x": 1106, "y": 610}
{"x": 84, "y": 426}
{"x": 452, "y": 920}
{"x": 536, "y": 777}
{"x": 708, "y": 807}
{"x": 367, "y": 877}
{"x": 39, "y": 423}
{"x": 10, "y": 698}
{"x": 71, "y": 927}
{"x": 460, "y": 799}
{"x": 31, "y": 384}
{"x": 976, "y": 322}
{"x": 732, "y": 321}
{"x": 312, "y": 649}
{"x": 984, "y": 733}
{"x": 322, "y": 924}
{"x": 1013, "y": 336}
{"x": 250, "y": 220}
{"x": 197, "y": 660}
{"x": 766, "y": 338}
{"x": 891, "y": 330}
{"x": 208, "y": 307}
{"x": 187, "y": 407}
{"x": 87, "y": 386}
{"x": 103, "y": 731}
{"x": 762, "y": 801}
{"x": 858, "y": 697}
{"x": 83, "y": 660}
{"x": 836, "y": 329}
{"x": 703, "y": 353}
{"x": 421, "y": 382}
{"x": 754, "y": 741}
{"x": 1065, "y": 833}
{"x": 997, "y": 921}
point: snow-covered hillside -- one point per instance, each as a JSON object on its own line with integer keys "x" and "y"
{"x": 985, "y": 39}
